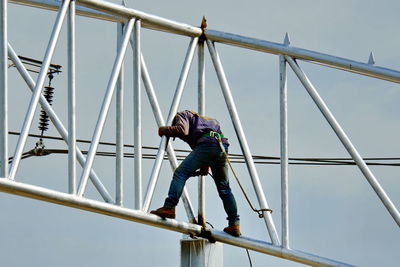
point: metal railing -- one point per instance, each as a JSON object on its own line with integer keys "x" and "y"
{"x": 132, "y": 21}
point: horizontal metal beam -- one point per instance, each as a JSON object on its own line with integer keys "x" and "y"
{"x": 268, "y": 248}
{"x": 43, "y": 194}
{"x": 54, "y": 5}
{"x": 52, "y": 196}
{"x": 304, "y": 54}
{"x": 148, "y": 21}
{"x": 113, "y": 12}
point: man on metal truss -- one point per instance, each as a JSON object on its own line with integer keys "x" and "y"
{"x": 202, "y": 135}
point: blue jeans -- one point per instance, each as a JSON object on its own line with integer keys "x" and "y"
{"x": 205, "y": 154}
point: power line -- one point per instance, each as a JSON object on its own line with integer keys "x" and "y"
{"x": 234, "y": 158}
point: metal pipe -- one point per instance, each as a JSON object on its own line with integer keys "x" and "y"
{"x": 154, "y": 22}
{"x": 314, "y": 57}
{"x": 268, "y": 248}
{"x": 38, "y": 89}
{"x": 48, "y": 195}
{"x": 105, "y": 107}
{"x": 345, "y": 140}
{"x": 284, "y": 153}
{"x": 53, "y": 5}
{"x": 116, "y": 13}
{"x": 3, "y": 91}
{"x": 137, "y": 115}
{"x": 243, "y": 143}
{"x": 119, "y": 160}
{"x": 71, "y": 100}
{"x": 202, "y": 109}
{"x": 173, "y": 110}
{"x": 120, "y": 13}
{"x": 52, "y": 196}
{"x": 56, "y": 121}
{"x": 150, "y": 21}
{"x": 160, "y": 121}
{"x": 148, "y": 85}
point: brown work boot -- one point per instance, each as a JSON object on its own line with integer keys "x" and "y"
{"x": 233, "y": 230}
{"x": 164, "y": 212}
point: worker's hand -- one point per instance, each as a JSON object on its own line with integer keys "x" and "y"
{"x": 161, "y": 131}
{"x": 204, "y": 170}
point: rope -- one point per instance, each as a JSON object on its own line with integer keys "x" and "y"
{"x": 258, "y": 211}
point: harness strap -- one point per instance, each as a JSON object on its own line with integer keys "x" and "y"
{"x": 213, "y": 134}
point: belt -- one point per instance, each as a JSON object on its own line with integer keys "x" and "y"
{"x": 213, "y": 134}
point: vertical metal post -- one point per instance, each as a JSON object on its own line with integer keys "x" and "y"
{"x": 137, "y": 118}
{"x": 104, "y": 108}
{"x": 243, "y": 143}
{"x": 284, "y": 152}
{"x": 345, "y": 140}
{"x": 3, "y": 91}
{"x": 202, "y": 109}
{"x": 173, "y": 110}
{"x": 38, "y": 89}
{"x": 71, "y": 101}
{"x": 56, "y": 121}
{"x": 160, "y": 121}
{"x": 119, "y": 175}
{"x": 201, "y": 253}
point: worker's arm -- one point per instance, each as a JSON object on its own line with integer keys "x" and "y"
{"x": 179, "y": 128}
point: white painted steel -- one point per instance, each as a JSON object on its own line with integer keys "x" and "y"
{"x": 268, "y": 248}
{"x": 71, "y": 100}
{"x": 304, "y": 54}
{"x": 108, "y": 209}
{"x": 137, "y": 115}
{"x": 160, "y": 122}
{"x": 148, "y": 85}
{"x": 38, "y": 89}
{"x": 243, "y": 142}
{"x": 104, "y": 108}
{"x": 201, "y": 253}
{"x": 3, "y": 91}
{"x": 53, "y": 5}
{"x": 345, "y": 140}
{"x": 52, "y": 196}
{"x": 119, "y": 121}
{"x": 284, "y": 153}
{"x": 202, "y": 111}
{"x": 173, "y": 110}
{"x": 56, "y": 121}
{"x": 114, "y": 12}
{"x": 150, "y": 21}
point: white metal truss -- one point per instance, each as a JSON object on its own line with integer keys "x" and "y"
{"x": 130, "y": 32}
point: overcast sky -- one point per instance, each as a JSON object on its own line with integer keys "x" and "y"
{"x": 334, "y": 213}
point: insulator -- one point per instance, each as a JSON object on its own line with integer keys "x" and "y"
{"x": 48, "y": 93}
{"x": 43, "y": 121}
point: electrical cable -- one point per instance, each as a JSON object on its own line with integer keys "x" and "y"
{"x": 237, "y": 158}
{"x": 231, "y": 158}
{"x": 248, "y": 256}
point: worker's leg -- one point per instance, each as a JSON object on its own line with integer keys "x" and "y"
{"x": 197, "y": 158}
{"x": 220, "y": 175}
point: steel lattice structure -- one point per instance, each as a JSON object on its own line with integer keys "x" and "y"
{"x": 132, "y": 22}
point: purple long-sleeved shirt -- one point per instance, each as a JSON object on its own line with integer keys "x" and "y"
{"x": 190, "y": 127}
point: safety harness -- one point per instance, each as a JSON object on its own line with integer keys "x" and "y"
{"x": 213, "y": 134}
